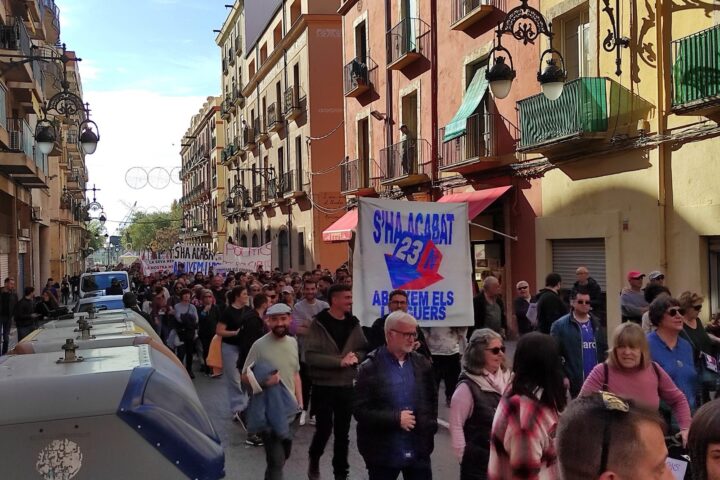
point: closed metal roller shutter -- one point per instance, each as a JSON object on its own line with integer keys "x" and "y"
{"x": 568, "y": 255}
{"x": 4, "y": 266}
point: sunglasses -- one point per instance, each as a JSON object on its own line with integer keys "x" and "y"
{"x": 697, "y": 307}
{"x": 496, "y": 350}
{"x": 582, "y": 302}
{"x": 675, "y": 311}
{"x": 522, "y": 288}
{"x": 613, "y": 405}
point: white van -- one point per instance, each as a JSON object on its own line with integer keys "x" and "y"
{"x": 97, "y": 283}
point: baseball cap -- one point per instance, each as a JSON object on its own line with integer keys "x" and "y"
{"x": 288, "y": 289}
{"x": 278, "y": 309}
{"x": 634, "y": 274}
{"x": 655, "y": 274}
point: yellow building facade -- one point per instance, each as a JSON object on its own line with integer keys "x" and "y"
{"x": 627, "y": 153}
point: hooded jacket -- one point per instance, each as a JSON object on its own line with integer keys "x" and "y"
{"x": 324, "y": 356}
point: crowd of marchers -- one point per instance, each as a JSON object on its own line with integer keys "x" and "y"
{"x": 292, "y": 354}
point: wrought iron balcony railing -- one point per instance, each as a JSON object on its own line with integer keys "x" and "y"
{"x": 696, "y": 71}
{"x": 359, "y": 76}
{"x": 407, "y": 42}
{"x": 407, "y": 162}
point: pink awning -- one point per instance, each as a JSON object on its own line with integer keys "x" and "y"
{"x": 341, "y": 230}
{"x": 478, "y": 200}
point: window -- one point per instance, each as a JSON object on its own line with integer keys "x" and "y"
{"x": 295, "y": 10}
{"x": 277, "y": 35}
{"x": 361, "y": 42}
{"x": 298, "y": 160}
{"x": 301, "y": 249}
{"x": 263, "y": 53}
{"x": 575, "y": 42}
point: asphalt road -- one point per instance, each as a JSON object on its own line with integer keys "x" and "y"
{"x": 246, "y": 462}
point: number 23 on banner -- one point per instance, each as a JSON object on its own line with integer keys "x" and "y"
{"x": 414, "y": 263}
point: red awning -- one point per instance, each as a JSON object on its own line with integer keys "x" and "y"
{"x": 478, "y": 200}
{"x": 341, "y": 230}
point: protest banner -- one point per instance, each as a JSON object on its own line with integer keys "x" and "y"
{"x": 420, "y": 247}
{"x": 247, "y": 259}
{"x": 183, "y": 258}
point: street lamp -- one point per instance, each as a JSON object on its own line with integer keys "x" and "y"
{"x": 525, "y": 23}
{"x": 45, "y": 136}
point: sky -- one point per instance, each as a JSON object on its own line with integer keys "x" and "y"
{"x": 147, "y": 67}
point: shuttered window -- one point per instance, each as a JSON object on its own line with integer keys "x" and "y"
{"x": 568, "y": 255}
{"x": 4, "y": 266}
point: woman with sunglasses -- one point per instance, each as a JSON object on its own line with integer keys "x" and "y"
{"x": 482, "y": 382}
{"x": 629, "y": 372}
{"x": 522, "y": 441}
{"x": 672, "y": 352}
{"x": 694, "y": 330}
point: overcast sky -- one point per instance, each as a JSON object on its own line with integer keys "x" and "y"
{"x": 148, "y": 66}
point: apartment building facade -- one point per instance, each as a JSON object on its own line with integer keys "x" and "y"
{"x": 284, "y": 128}
{"x": 422, "y": 125}
{"x": 203, "y": 178}
{"x": 42, "y": 233}
{"x": 630, "y": 147}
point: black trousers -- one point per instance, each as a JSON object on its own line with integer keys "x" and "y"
{"x": 277, "y": 451}
{"x": 306, "y": 385}
{"x": 333, "y": 412}
{"x": 446, "y": 368}
{"x": 5, "y": 326}
{"x": 421, "y": 471}
{"x": 186, "y": 351}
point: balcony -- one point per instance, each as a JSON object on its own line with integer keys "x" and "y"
{"x": 237, "y": 97}
{"x": 21, "y": 159}
{"x": 408, "y": 162}
{"x": 247, "y": 139}
{"x": 466, "y": 13}
{"x": 231, "y": 58}
{"x": 274, "y": 120}
{"x": 224, "y": 66}
{"x": 238, "y": 45}
{"x": 293, "y": 103}
{"x": 360, "y": 177}
{"x": 579, "y": 116}
{"x": 359, "y": 76}
{"x": 261, "y": 133}
{"x": 407, "y": 42}
{"x": 225, "y": 108}
{"x": 696, "y": 73}
{"x": 486, "y": 138}
{"x": 14, "y": 39}
{"x": 257, "y": 194}
{"x": 271, "y": 194}
{"x": 290, "y": 185}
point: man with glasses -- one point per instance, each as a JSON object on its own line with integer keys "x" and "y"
{"x": 397, "y": 300}
{"x": 602, "y": 436}
{"x": 488, "y": 308}
{"x": 270, "y": 291}
{"x": 632, "y": 300}
{"x": 395, "y": 405}
{"x": 656, "y": 278}
{"x": 521, "y": 303}
{"x": 582, "y": 341}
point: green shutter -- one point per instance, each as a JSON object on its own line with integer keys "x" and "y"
{"x": 696, "y": 72}
{"x": 473, "y": 96}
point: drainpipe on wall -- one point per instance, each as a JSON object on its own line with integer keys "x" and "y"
{"x": 434, "y": 89}
{"x": 663, "y": 160}
{"x": 388, "y": 82}
{"x": 287, "y": 137}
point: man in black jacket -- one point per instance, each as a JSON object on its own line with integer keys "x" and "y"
{"x": 550, "y": 306}
{"x": 488, "y": 308}
{"x": 397, "y": 300}
{"x": 396, "y": 405}
{"x": 25, "y": 314}
{"x": 8, "y": 300}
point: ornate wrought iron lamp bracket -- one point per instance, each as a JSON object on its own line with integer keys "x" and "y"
{"x": 613, "y": 40}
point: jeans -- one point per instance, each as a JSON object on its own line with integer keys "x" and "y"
{"x": 333, "y": 408}
{"x": 237, "y": 396}
{"x": 5, "y": 326}
{"x": 277, "y": 451}
{"x": 416, "y": 472}
{"x": 447, "y": 369}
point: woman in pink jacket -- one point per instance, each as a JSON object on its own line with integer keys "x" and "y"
{"x": 629, "y": 372}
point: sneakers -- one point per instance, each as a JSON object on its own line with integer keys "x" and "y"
{"x": 303, "y": 418}
{"x": 314, "y": 469}
{"x": 254, "y": 440}
{"x": 311, "y": 420}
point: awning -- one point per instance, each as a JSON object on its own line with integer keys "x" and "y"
{"x": 477, "y": 201}
{"x": 342, "y": 229}
{"x": 473, "y": 96}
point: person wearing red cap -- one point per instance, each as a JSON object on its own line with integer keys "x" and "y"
{"x": 632, "y": 300}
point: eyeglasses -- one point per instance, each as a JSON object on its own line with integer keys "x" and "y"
{"x": 697, "y": 307}
{"x": 406, "y": 335}
{"x": 582, "y": 302}
{"x": 611, "y": 403}
{"x": 496, "y": 350}
{"x": 523, "y": 288}
{"x": 398, "y": 302}
{"x": 675, "y": 311}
